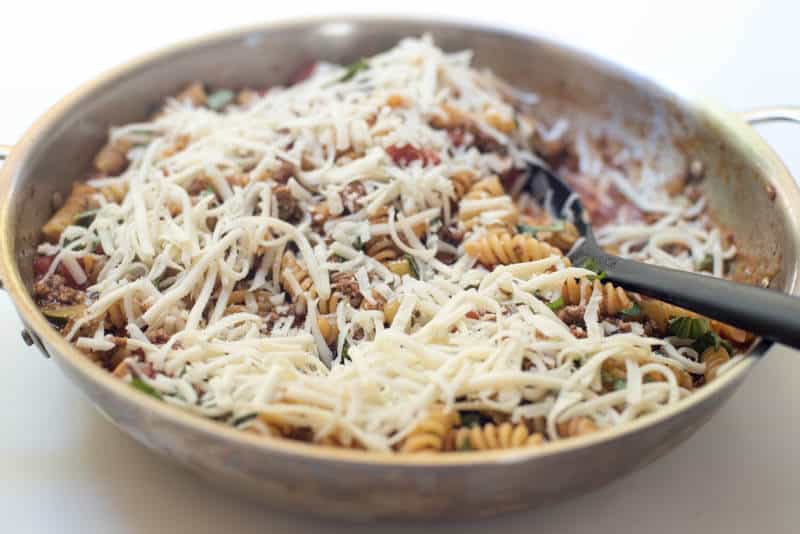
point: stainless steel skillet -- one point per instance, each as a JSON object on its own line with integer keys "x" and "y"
{"x": 748, "y": 188}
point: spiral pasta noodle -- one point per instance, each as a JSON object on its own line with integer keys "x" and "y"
{"x": 578, "y": 291}
{"x": 490, "y": 436}
{"x": 501, "y": 248}
{"x": 430, "y": 435}
{"x": 328, "y": 330}
{"x": 576, "y": 426}
{"x": 714, "y": 358}
{"x": 462, "y": 182}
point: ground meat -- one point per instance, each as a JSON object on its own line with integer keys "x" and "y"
{"x": 487, "y": 144}
{"x": 284, "y": 172}
{"x": 452, "y": 234}
{"x": 197, "y": 186}
{"x": 457, "y": 135}
{"x": 55, "y": 290}
{"x": 344, "y": 284}
{"x": 288, "y": 208}
{"x": 577, "y": 331}
{"x": 351, "y": 194}
{"x": 404, "y": 155}
{"x": 572, "y": 315}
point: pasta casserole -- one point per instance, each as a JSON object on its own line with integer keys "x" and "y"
{"x": 354, "y": 260}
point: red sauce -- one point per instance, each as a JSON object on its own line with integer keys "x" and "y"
{"x": 406, "y": 154}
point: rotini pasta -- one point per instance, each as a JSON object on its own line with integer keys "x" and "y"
{"x": 501, "y": 248}
{"x": 491, "y": 436}
{"x": 714, "y": 358}
{"x": 614, "y": 299}
{"x": 430, "y": 435}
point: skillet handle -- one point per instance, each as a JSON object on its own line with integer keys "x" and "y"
{"x": 774, "y": 114}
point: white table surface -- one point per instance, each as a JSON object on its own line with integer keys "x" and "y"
{"x": 63, "y": 468}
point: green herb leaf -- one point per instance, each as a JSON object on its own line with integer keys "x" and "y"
{"x": 465, "y": 445}
{"x": 533, "y": 230}
{"x": 592, "y": 265}
{"x": 219, "y": 99}
{"x": 620, "y": 383}
{"x": 145, "y": 388}
{"x": 688, "y": 327}
{"x": 353, "y": 69}
{"x": 556, "y": 304}
{"x": 711, "y": 339}
{"x": 607, "y": 377}
{"x": 698, "y": 329}
{"x": 632, "y": 312}
{"x": 412, "y": 265}
{"x": 85, "y": 218}
{"x": 244, "y": 418}
{"x": 358, "y": 244}
{"x": 345, "y": 356}
{"x": 209, "y": 191}
{"x": 472, "y": 418}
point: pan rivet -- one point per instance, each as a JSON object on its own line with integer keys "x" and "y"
{"x": 27, "y": 338}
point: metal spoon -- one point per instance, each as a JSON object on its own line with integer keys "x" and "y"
{"x": 764, "y": 312}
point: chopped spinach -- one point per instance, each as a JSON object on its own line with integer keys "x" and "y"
{"x": 145, "y": 388}
{"x": 345, "y": 356}
{"x": 632, "y": 312}
{"x": 353, "y": 69}
{"x": 556, "y": 304}
{"x": 592, "y": 265}
{"x": 699, "y": 330}
{"x": 473, "y": 418}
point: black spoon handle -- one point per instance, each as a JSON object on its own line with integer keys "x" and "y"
{"x": 764, "y": 312}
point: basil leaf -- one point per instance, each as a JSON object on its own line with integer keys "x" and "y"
{"x": 533, "y": 230}
{"x": 219, "y": 99}
{"x": 85, "y": 218}
{"x": 556, "y": 304}
{"x": 145, "y": 388}
{"x": 353, "y": 69}
{"x": 632, "y": 312}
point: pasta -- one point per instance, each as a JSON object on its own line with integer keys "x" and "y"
{"x": 491, "y": 436}
{"x": 501, "y": 248}
{"x": 355, "y": 261}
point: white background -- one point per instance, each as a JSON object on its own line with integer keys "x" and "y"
{"x": 65, "y": 469}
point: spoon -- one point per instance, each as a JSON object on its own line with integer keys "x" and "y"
{"x": 764, "y": 312}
